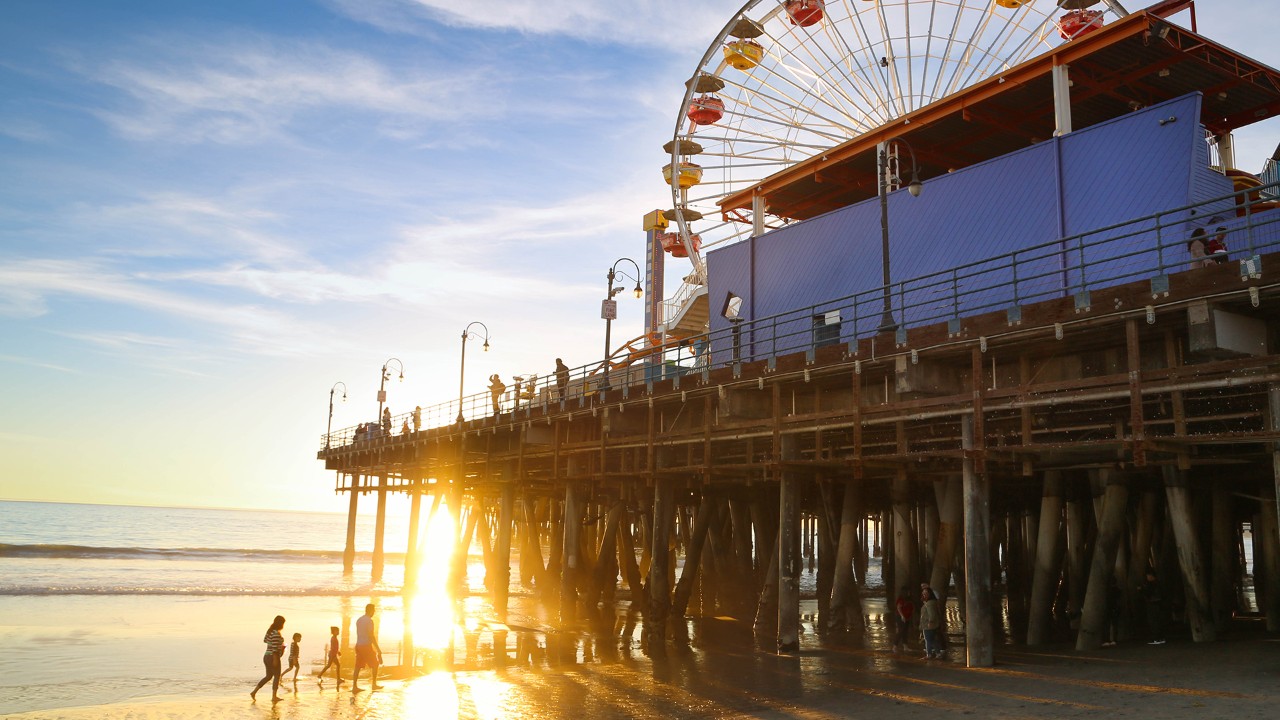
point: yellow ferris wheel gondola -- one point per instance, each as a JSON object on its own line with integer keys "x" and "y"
{"x": 743, "y": 54}
{"x": 690, "y": 174}
{"x": 1011, "y": 4}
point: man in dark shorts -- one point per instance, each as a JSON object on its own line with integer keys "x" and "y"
{"x": 367, "y": 651}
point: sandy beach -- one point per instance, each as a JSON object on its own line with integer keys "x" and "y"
{"x": 1235, "y": 678}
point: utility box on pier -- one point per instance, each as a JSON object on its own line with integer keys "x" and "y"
{"x": 1216, "y": 333}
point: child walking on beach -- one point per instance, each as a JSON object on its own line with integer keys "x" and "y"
{"x": 293, "y": 660}
{"x": 333, "y": 656}
{"x": 271, "y": 659}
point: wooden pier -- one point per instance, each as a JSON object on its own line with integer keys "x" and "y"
{"x": 1022, "y": 466}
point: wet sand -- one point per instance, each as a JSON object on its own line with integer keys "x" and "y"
{"x": 590, "y": 676}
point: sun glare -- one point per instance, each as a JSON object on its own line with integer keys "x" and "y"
{"x": 432, "y": 607}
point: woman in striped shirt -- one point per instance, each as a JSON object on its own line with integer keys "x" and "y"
{"x": 271, "y": 659}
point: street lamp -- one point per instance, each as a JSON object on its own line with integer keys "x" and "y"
{"x": 382, "y": 385}
{"x": 462, "y": 366}
{"x": 886, "y": 322}
{"x": 329, "y": 429}
{"x": 609, "y": 310}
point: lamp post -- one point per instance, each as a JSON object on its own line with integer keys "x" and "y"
{"x": 886, "y": 322}
{"x": 609, "y": 310}
{"x": 462, "y": 366}
{"x": 329, "y": 429}
{"x": 382, "y": 386}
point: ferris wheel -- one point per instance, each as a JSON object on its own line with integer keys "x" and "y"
{"x": 786, "y": 79}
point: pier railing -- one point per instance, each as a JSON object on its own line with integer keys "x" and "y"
{"x": 1146, "y": 248}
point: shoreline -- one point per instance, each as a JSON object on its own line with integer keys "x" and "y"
{"x": 1236, "y": 678}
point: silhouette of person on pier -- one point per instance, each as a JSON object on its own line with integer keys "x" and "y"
{"x": 562, "y": 378}
{"x": 386, "y": 421}
{"x": 417, "y": 418}
{"x": 496, "y": 388}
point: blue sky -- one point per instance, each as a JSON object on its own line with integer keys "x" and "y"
{"x": 211, "y": 212}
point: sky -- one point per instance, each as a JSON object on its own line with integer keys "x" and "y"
{"x": 210, "y": 213}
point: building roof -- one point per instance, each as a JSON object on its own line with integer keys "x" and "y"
{"x": 1134, "y": 62}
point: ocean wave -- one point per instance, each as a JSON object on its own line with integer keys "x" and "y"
{"x": 196, "y": 553}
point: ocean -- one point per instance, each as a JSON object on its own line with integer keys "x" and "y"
{"x": 103, "y": 604}
{"x": 105, "y": 607}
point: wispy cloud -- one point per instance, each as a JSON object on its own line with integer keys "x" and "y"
{"x": 252, "y": 91}
{"x": 32, "y": 362}
{"x": 648, "y": 23}
{"x": 245, "y": 328}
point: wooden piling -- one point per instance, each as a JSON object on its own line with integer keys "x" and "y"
{"x": 789, "y": 564}
{"x": 684, "y": 589}
{"x": 660, "y": 563}
{"x": 570, "y": 558}
{"x": 1223, "y": 565}
{"x": 1177, "y": 496}
{"x": 411, "y": 549}
{"x": 904, "y": 535}
{"x": 1267, "y": 563}
{"x": 979, "y": 642}
{"x": 349, "y": 550}
{"x": 1093, "y": 616}
{"x": 1045, "y": 580}
{"x": 846, "y": 602}
{"x": 379, "y": 529}
{"x": 502, "y": 556}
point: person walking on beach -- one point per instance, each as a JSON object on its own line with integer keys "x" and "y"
{"x": 332, "y": 656}
{"x": 367, "y": 651}
{"x": 562, "y": 378}
{"x": 929, "y": 622}
{"x": 271, "y": 659}
{"x": 293, "y": 660}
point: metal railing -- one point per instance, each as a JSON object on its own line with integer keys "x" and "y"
{"x": 1149, "y": 247}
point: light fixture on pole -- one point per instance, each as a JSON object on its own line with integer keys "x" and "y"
{"x": 329, "y": 429}
{"x": 462, "y": 366}
{"x": 887, "y": 323}
{"x": 382, "y": 386}
{"x": 609, "y": 310}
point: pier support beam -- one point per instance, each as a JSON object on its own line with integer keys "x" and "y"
{"x": 789, "y": 564}
{"x": 1177, "y": 494}
{"x": 570, "y": 556}
{"x": 411, "y": 549}
{"x": 1045, "y": 580}
{"x": 660, "y": 563}
{"x": 1267, "y": 562}
{"x": 904, "y": 535}
{"x": 349, "y": 551}
{"x": 846, "y": 603}
{"x": 502, "y": 553}
{"x": 979, "y": 642}
{"x": 692, "y": 557}
{"x": 379, "y": 529}
{"x": 1093, "y": 617}
{"x": 1222, "y": 596}
{"x": 950, "y": 497}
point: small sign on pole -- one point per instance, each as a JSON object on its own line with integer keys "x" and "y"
{"x": 609, "y": 309}
{"x": 382, "y": 396}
